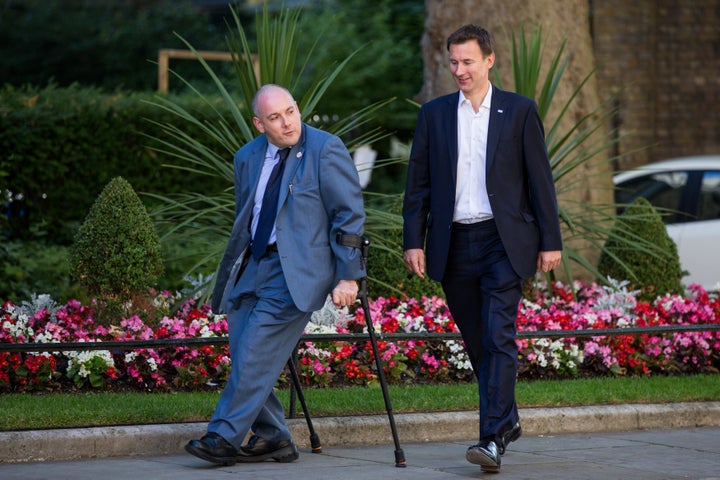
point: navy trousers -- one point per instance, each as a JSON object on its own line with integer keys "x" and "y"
{"x": 264, "y": 327}
{"x": 482, "y": 292}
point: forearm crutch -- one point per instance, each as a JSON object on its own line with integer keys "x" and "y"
{"x": 315, "y": 443}
{"x": 363, "y": 243}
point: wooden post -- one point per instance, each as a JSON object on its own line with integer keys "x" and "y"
{"x": 165, "y": 54}
{"x": 163, "y": 66}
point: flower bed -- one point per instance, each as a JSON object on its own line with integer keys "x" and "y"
{"x": 325, "y": 363}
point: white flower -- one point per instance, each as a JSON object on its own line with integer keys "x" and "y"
{"x": 80, "y": 361}
{"x": 590, "y": 318}
{"x": 152, "y": 364}
{"x": 319, "y": 328}
{"x": 542, "y": 361}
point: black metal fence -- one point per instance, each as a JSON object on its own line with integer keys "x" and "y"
{"x": 336, "y": 337}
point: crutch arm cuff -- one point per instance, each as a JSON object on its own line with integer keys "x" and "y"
{"x": 354, "y": 241}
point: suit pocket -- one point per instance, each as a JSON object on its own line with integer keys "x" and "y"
{"x": 304, "y": 192}
{"x": 528, "y": 217}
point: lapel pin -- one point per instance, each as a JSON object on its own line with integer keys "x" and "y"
{"x": 500, "y": 110}
{"x": 298, "y": 155}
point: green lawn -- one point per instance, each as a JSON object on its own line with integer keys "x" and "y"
{"x": 28, "y": 411}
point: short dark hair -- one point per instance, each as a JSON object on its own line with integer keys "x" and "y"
{"x": 472, "y": 32}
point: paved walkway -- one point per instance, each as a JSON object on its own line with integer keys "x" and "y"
{"x": 692, "y": 453}
{"x": 638, "y": 442}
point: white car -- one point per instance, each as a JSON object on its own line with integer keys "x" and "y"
{"x": 687, "y": 190}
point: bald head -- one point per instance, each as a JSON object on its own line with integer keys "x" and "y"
{"x": 265, "y": 90}
{"x": 277, "y": 115}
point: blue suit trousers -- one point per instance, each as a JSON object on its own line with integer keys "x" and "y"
{"x": 482, "y": 291}
{"x": 264, "y": 327}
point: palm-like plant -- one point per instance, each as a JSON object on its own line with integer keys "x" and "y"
{"x": 568, "y": 150}
{"x": 210, "y": 215}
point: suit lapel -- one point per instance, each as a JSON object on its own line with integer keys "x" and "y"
{"x": 498, "y": 111}
{"x": 451, "y": 132}
{"x": 295, "y": 156}
{"x": 247, "y": 201}
{"x": 255, "y": 167}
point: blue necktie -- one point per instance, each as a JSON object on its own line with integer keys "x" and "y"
{"x": 268, "y": 208}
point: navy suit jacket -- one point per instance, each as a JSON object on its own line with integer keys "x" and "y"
{"x": 320, "y": 196}
{"x": 519, "y": 182}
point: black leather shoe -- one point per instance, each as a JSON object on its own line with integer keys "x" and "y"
{"x": 258, "y": 450}
{"x": 213, "y": 448}
{"x": 486, "y": 455}
{"x": 510, "y": 436}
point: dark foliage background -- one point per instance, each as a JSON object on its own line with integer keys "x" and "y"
{"x": 75, "y": 78}
{"x": 110, "y": 44}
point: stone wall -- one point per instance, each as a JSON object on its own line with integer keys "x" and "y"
{"x": 661, "y": 58}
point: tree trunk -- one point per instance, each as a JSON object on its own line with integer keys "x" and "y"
{"x": 560, "y": 20}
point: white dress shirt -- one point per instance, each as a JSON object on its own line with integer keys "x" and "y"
{"x": 472, "y": 204}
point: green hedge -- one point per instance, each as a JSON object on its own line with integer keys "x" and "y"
{"x": 59, "y": 147}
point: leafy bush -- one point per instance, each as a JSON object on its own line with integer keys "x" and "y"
{"x": 33, "y": 267}
{"x": 84, "y": 137}
{"x": 387, "y": 35}
{"x": 117, "y": 250}
{"x": 654, "y": 273}
{"x": 388, "y": 275}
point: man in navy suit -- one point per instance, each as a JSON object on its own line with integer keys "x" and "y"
{"x": 480, "y": 199}
{"x": 269, "y": 284}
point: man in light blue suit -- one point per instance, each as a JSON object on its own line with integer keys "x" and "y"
{"x": 269, "y": 287}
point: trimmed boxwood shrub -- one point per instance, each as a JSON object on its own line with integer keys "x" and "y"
{"x": 655, "y": 274}
{"x": 117, "y": 250}
{"x": 388, "y": 275}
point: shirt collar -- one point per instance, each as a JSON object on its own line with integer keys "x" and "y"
{"x": 271, "y": 151}
{"x": 486, "y": 100}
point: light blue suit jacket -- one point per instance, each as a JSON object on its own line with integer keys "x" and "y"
{"x": 320, "y": 196}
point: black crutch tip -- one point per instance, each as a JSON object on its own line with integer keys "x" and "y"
{"x": 400, "y": 459}
{"x": 315, "y": 444}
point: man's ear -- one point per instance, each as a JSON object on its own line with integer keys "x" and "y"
{"x": 258, "y": 124}
{"x": 491, "y": 60}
